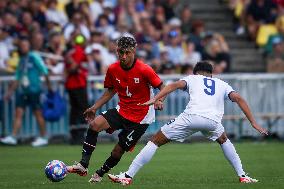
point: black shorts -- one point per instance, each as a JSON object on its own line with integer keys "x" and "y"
{"x": 32, "y": 100}
{"x": 131, "y": 132}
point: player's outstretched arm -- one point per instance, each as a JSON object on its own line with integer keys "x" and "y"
{"x": 159, "y": 103}
{"x": 166, "y": 90}
{"x": 235, "y": 97}
{"x": 90, "y": 113}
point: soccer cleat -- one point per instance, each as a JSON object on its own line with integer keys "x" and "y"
{"x": 39, "y": 141}
{"x": 121, "y": 178}
{"x": 78, "y": 169}
{"x": 8, "y": 140}
{"x": 246, "y": 179}
{"x": 95, "y": 178}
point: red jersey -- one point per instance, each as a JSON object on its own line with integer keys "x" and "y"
{"x": 77, "y": 80}
{"x": 133, "y": 86}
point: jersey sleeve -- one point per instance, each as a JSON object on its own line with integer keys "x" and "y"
{"x": 187, "y": 80}
{"x": 152, "y": 77}
{"x": 228, "y": 90}
{"x": 108, "y": 83}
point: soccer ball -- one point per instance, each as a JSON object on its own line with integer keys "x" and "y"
{"x": 55, "y": 170}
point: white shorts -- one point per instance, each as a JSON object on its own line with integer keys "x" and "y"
{"x": 185, "y": 125}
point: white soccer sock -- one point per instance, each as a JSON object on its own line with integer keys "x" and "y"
{"x": 232, "y": 156}
{"x": 142, "y": 158}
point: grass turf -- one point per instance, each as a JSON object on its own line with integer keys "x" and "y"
{"x": 197, "y": 165}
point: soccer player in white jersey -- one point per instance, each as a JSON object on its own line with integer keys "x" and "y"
{"x": 203, "y": 113}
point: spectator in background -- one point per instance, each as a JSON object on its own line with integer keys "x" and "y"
{"x": 217, "y": 50}
{"x": 164, "y": 59}
{"x": 129, "y": 16}
{"x": 38, "y": 15}
{"x": 84, "y": 9}
{"x": 11, "y": 24}
{"x": 168, "y": 68}
{"x": 97, "y": 54}
{"x": 158, "y": 18}
{"x": 96, "y": 9}
{"x": 280, "y": 27}
{"x": 175, "y": 50}
{"x": 112, "y": 46}
{"x": 239, "y": 8}
{"x": 198, "y": 30}
{"x": 37, "y": 41}
{"x": 169, "y": 6}
{"x": 104, "y": 26}
{"x": 26, "y": 23}
{"x": 275, "y": 61}
{"x": 108, "y": 11}
{"x": 77, "y": 24}
{"x": 71, "y": 8}
{"x": 191, "y": 56}
{"x": 76, "y": 71}
{"x": 55, "y": 48}
{"x": 95, "y": 59}
{"x": 186, "y": 20}
{"x": 259, "y": 12}
{"x": 52, "y": 14}
{"x": 28, "y": 86}
{"x": 219, "y": 68}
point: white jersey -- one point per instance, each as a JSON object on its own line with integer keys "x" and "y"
{"x": 207, "y": 96}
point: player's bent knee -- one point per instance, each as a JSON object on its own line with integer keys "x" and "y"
{"x": 159, "y": 139}
{"x": 99, "y": 124}
{"x": 222, "y": 139}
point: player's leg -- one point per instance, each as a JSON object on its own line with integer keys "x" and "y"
{"x": 21, "y": 102}
{"x": 111, "y": 162}
{"x": 42, "y": 139}
{"x": 36, "y": 107}
{"x": 234, "y": 159}
{"x": 98, "y": 124}
{"x": 18, "y": 120}
{"x": 147, "y": 153}
{"x": 11, "y": 139}
{"x": 128, "y": 138}
{"x": 106, "y": 121}
{"x": 176, "y": 129}
{"x": 231, "y": 154}
{"x": 144, "y": 156}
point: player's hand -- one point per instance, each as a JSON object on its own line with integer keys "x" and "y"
{"x": 260, "y": 129}
{"x": 148, "y": 103}
{"x": 159, "y": 105}
{"x": 90, "y": 114}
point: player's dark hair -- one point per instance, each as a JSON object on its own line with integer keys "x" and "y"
{"x": 203, "y": 66}
{"x": 126, "y": 42}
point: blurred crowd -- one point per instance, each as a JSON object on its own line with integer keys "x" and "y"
{"x": 170, "y": 39}
{"x": 263, "y": 21}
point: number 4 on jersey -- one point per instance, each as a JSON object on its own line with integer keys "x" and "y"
{"x": 129, "y": 94}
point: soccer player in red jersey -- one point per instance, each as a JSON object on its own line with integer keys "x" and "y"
{"x": 133, "y": 81}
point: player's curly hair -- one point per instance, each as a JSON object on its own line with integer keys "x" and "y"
{"x": 203, "y": 66}
{"x": 126, "y": 41}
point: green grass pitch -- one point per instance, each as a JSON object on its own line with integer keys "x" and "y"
{"x": 178, "y": 166}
